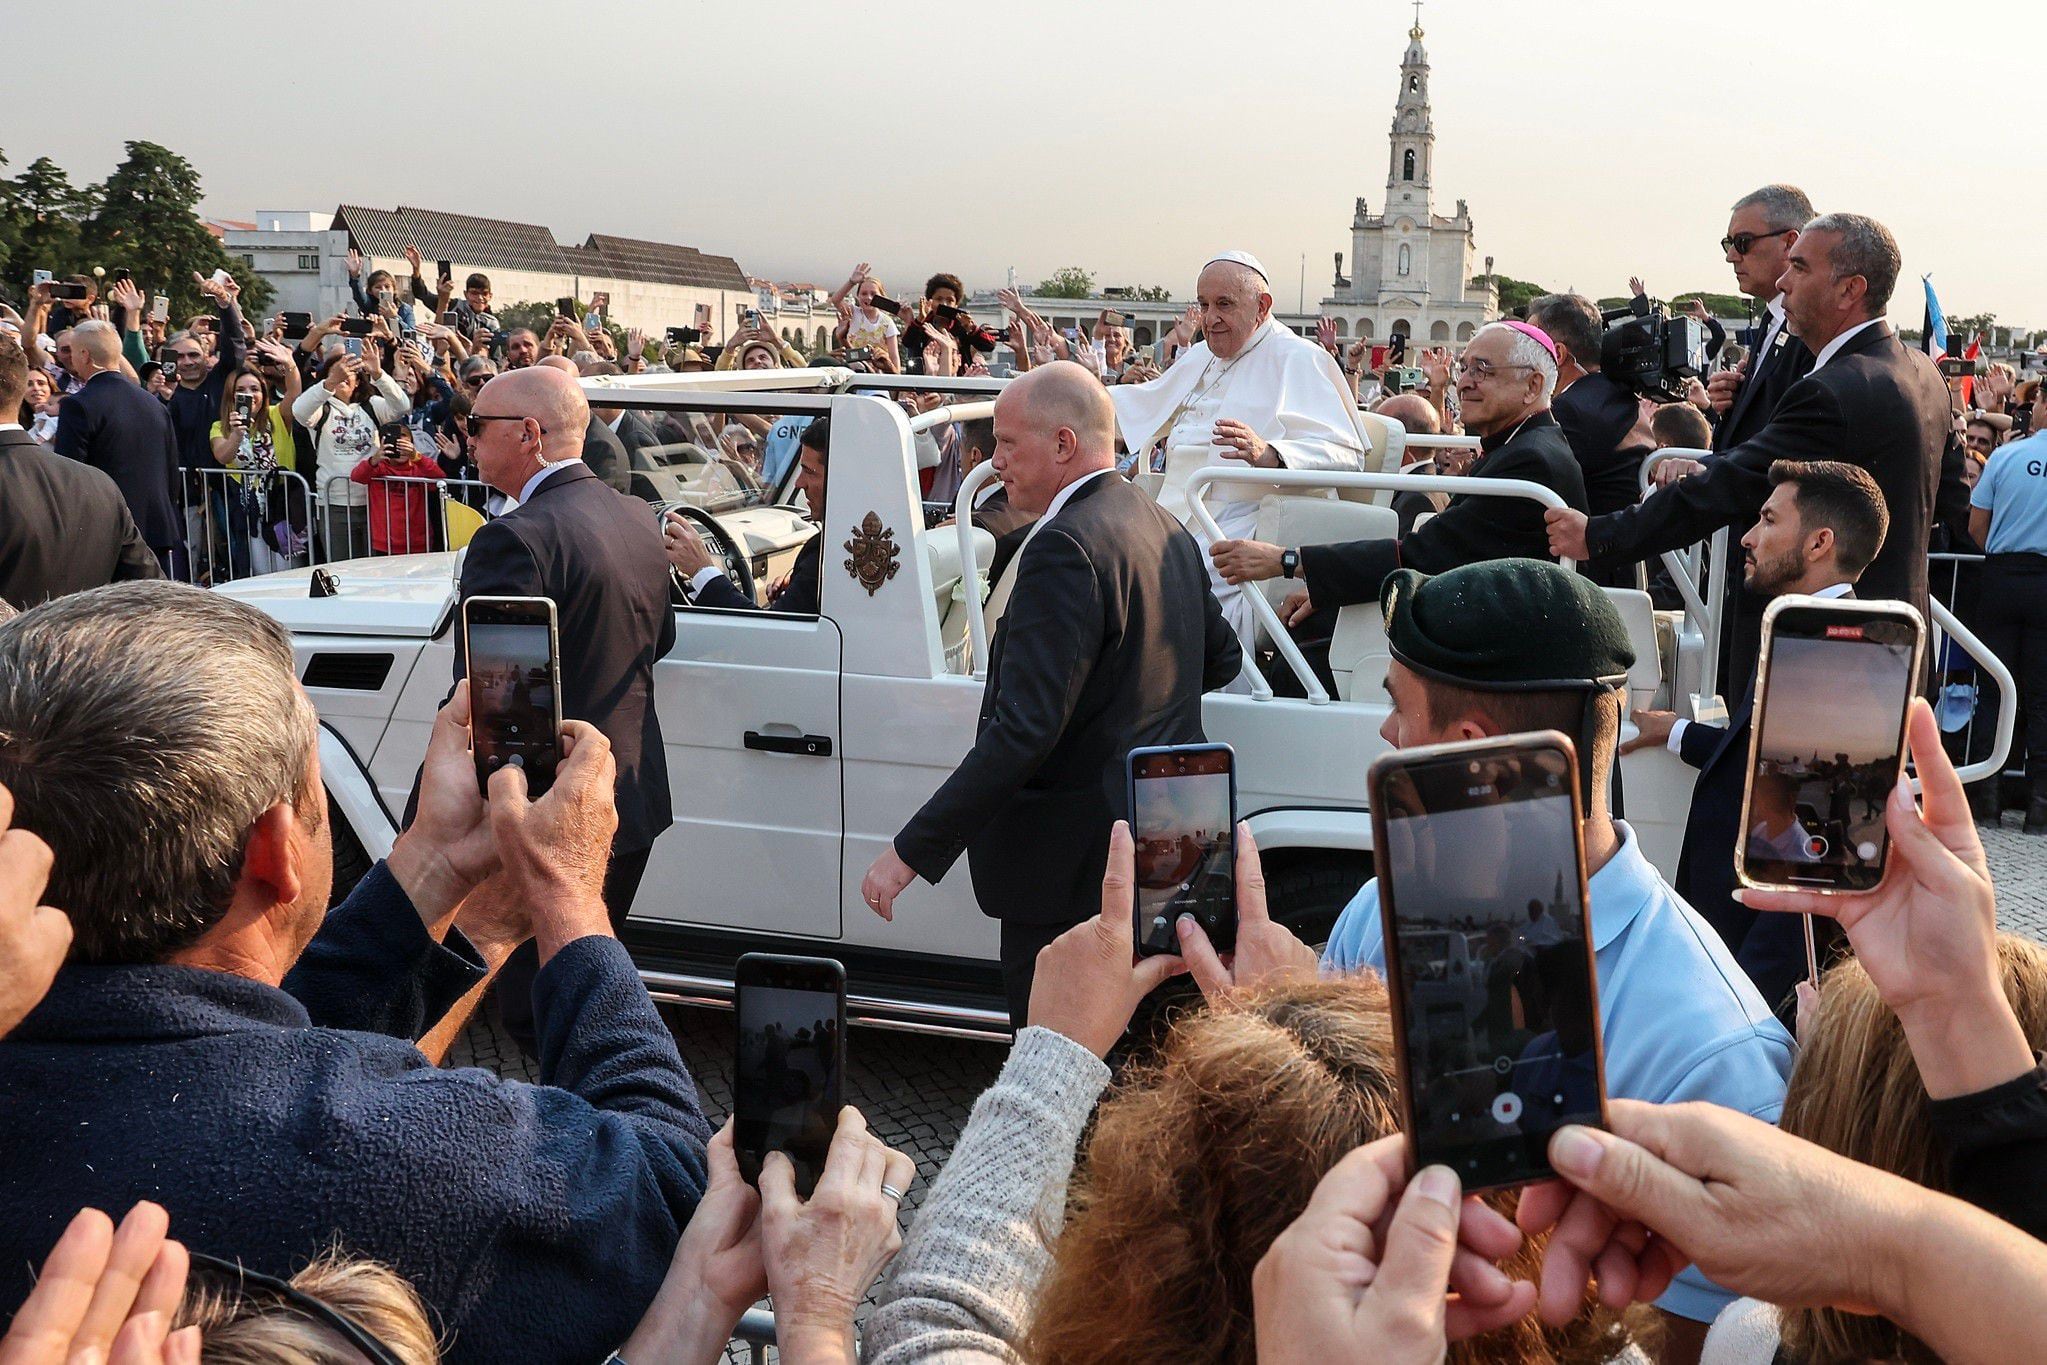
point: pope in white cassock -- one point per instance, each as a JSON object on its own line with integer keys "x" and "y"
{"x": 1250, "y": 392}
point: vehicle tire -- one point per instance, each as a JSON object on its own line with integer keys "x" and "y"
{"x": 1306, "y": 891}
{"x": 351, "y": 860}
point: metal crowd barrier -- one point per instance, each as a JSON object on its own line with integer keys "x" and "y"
{"x": 239, "y": 523}
{"x": 394, "y": 515}
{"x": 1959, "y": 677}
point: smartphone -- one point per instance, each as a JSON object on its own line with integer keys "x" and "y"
{"x": 222, "y": 277}
{"x": 1183, "y": 819}
{"x": 859, "y": 355}
{"x": 514, "y": 665}
{"x": 387, "y": 438}
{"x": 1112, "y": 317}
{"x": 1495, "y": 1000}
{"x": 40, "y": 277}
{"x": 685, "y": 336}
{"x": 944, "y": 312}
{"x": 122, "y": 276}
{"x": 1956, "y": 366}
{"x": 751, "y": 317}
{"x": 409, "y": 337}
{"x": 66, "y": 292}
{"x": 444, "y": 270}
{"x": 791, "y": 1065}
{"x": 703, "y": 317}
{"x": 565, "y": 307}
{"x": 886, "y": 305}
{"x": 245, "y": 408}
{"x": 356, "y": 327}
{"x": 1827, "y": 742}
{"x": 160, "y": 308}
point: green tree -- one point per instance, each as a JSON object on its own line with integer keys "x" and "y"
{"x": 147, "y": 221}
{"x": 1067, "y": 282}
{"x": 1962, "y": 330}
{"x": 1153, "y": 293}
{"x": 43, "y": 209}
{"x": 1513, "y": 293}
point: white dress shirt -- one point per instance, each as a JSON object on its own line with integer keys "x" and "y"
{"x": 1827, "y": 351}
{"x": 497, "y": 504}
{"x": 10, "y": 426}
{"x": 1060, "y": 499}
{"x": 1677, "y": 728}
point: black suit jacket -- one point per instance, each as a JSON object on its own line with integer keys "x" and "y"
{"x": 802, "y": 597}
{"x": 1470, "y": 529}
{"x": 1875, "y": 404}
{"x": 121, "y": 429}
{"x": 1771, "y": 374}
{"x": 635, "y": 434}
{"x": 1009, "y": 525}
{"x": 605, "y": 454}
{"x": 1770, "y": 947}
{"x": 1597, "y": 414}
{"x": 63, "y": 527}
{"x": 597, "y": 553}
{"x": 1110, "y": 638}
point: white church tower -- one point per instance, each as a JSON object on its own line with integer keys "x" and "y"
{"x": 1410, "y": 266}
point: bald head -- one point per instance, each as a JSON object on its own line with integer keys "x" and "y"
{"x": 1414, "y": 413}
{"x": 551, "y": 396}
{"x": 1063, "y": 395}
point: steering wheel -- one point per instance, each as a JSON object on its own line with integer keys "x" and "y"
{"x": 722, "y": 544}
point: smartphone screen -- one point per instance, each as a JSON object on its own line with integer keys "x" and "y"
{"x": 1490, "y": 969}
{"x": 1183, "y": 819}
{"x": 791, "y": 1065}
{"x": 357, "y": 327}
{"x": 1829, "y": 737}
{"x": 514, "y": 688}
{"x": 444, "y": 270}
{"x": 886, "y": 305}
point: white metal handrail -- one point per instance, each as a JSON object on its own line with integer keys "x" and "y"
{"x": 1424, "y": 441}
{"x": 1465, "y": 485}
{"x": 951, "y": 412}
{"x": 2007, "y": 694}
{"x": 1685, "y": 567}
{"x": 963, "y": 527}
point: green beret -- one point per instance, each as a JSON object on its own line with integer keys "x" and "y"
{"x": 1506, "y": 625}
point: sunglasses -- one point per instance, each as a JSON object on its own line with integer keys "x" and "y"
{"x": 347, "y": 1328}
{"x": 1741, "y": 243}
{"x": 475, "y": 422}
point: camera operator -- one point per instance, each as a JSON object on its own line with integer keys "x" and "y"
{"x": 1598, "y": 415}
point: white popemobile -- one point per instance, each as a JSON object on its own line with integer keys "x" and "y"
{"x": 798, "y": 745}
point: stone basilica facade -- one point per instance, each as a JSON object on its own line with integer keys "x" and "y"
{"x": 1411, "y": 267}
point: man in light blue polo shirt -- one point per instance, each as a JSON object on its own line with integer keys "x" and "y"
{"x": 2008, "y": 518}
{"x": 1513, "y": 645}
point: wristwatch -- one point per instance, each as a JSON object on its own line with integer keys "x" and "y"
{"x": 1289, "y": 563}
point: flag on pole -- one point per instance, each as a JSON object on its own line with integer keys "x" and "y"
{"x": 1969, "y": 384}
{"x": 1935, "y": 328}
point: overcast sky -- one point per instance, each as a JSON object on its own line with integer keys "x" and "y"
{"x": 1593, "y": 138}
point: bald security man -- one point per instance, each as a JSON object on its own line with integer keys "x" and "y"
{"x": 597, "y": 553}
{"x": 1110, "y": 638}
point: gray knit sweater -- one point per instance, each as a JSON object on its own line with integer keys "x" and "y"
{"x": 961, "y": 1291}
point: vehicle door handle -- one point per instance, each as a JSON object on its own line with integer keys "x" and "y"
{"x": 816, "y": 746}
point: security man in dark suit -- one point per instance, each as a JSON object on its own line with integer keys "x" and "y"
{"x": 1762, "y": 227}
{"x": 1504, "y": 383}
{"x": 1110, "y": 638}
{"x": 116, "y": 426}
{"x": 1822, "y": 524}
{"x": 596, "y": 553}
{"x": 1868, "y": 400}
{"x": 63, "y": 525}
{"x": 800, "y": 594}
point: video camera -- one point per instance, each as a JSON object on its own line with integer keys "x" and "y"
{"x": 1650, "y": 351}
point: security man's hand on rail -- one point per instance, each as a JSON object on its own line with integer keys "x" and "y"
{"x": 1566, "y": 533}
{"x": 1245, "y": 561}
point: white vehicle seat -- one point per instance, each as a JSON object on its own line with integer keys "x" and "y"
{"x": 1358, "y": 652}
{"x": 955, "y": 593}
{"x": 1284, "y": 519}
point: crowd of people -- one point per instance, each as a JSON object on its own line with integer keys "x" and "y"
{"x": 192, "y": 1041}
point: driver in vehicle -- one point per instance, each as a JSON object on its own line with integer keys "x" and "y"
{"x": 694, "y": 563}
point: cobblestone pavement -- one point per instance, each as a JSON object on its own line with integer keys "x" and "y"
{"x": 916, "y": 1091}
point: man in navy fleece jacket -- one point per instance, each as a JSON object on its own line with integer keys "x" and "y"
{"x": 221, "y": 1046}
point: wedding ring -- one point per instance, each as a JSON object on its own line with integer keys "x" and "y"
{"x": 891, "y": 1191}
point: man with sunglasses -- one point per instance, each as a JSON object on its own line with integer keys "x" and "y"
{"x": 597, "y": 554}
{"x": 1761, "y": 231}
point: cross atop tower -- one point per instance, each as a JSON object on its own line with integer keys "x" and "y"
{"x": 1416, "y": 31}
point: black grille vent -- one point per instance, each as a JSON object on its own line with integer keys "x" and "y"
{"x": 348, "y": 672}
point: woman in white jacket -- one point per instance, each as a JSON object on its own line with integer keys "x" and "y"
{"x": 343, "y": 411}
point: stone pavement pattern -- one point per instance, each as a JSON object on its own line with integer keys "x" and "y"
{"x": 916, "y": 1091}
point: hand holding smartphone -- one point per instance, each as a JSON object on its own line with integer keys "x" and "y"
{"x": 1827, "y": 742}
{"x": 1489, "y": 969}
{"x": 1183, "y": 821}
{"x": 789, "y": 1081}
{"x": 513, "y": 658}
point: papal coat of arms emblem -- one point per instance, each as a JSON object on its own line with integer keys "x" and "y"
{"x": 874, "y": 554}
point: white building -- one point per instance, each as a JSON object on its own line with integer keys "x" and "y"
{"x": 1411, "y": 268}
{"x": 653, "y": 285}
